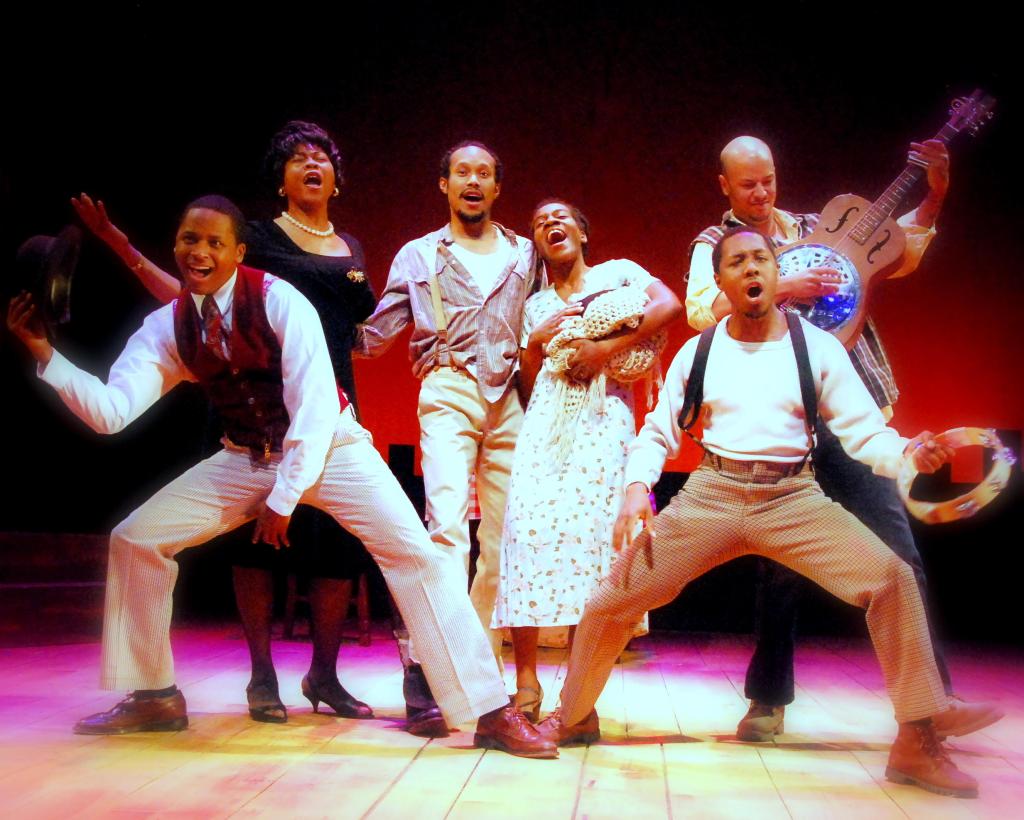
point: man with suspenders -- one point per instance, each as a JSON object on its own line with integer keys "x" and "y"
{"x": 749, "y": 182}
{"x": 462, "y": 288}
{"x": 754, "y": 493}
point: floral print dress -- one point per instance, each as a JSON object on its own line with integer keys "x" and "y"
{"x": 556, "y": 541}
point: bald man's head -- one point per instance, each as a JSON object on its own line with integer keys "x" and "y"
{"x": 748, "y": 179}
{"x": 742, "y": 149}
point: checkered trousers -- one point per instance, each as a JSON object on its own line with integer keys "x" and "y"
{"x": 731, "y": 508}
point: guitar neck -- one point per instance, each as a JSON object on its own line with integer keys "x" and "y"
{"x": 883, "y": 207}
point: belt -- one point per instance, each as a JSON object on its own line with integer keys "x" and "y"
{"x": 759, "y": 472}
{"x": 264, "y": 456}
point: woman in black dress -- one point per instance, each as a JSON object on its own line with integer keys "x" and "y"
{"x": 303, "y": 166}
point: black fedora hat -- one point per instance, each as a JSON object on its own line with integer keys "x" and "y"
{"x": 44, "y": 267}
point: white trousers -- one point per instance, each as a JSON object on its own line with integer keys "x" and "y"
{"x": 359, "y": 491}
{"x": 461, "y": 433}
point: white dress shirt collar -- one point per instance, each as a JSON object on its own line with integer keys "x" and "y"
{"x": 224, "y": 297}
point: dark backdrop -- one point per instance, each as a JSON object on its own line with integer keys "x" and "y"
{"x": 622, "y": 111}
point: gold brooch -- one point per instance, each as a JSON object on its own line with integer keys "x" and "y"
{"x": 355, "y": 275}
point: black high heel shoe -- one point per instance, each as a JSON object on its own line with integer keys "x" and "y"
{"x": 335, "y": 696}
{"x": 265, "y": 703}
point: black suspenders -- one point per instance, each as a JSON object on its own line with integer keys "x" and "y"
{"x": 693, "y": 399}
{"x": 803, "y": 367}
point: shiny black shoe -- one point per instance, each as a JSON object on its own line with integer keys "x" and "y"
{"x": 425, "y": 722}
{"x": 265, "y": 703}
{"x": 423, "y": 716}
{"x": 337, "y": 697}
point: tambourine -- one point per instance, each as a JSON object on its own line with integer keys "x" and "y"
{"x": 966, "y": 505}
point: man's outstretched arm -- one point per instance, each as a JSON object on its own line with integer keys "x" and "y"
{"x": 147, "y": 368}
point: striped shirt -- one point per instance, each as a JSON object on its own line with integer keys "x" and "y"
{"x": 868, "y": 354}
{"x": 483, "y": 329}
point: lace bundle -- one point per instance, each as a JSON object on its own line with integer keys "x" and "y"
{"x": 605, "y": 313}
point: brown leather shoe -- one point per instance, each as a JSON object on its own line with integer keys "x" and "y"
{"x": 962, "y": 718}
{"x": 508, "y": 730}
{"x": 761, "y": 723}
{"x": 917, "y": 758}
{"x": 587, "y": 730}
{"x": 166, "y": 714}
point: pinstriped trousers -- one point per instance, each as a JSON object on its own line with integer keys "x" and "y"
{"x": 359, "y": 491}
{"x": 742, "y": 508}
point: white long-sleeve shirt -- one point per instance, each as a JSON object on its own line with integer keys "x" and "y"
{"x": 755, "y": 410}
{"x": 149, "y": 366}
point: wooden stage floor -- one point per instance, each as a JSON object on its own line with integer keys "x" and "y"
{"x": 668, "y": 751}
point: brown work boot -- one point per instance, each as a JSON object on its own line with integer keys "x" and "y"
{"x": 137, "y": 714}
{"x": 508, "y": 730}
{"x": 761, "y": 723}
{"x": 962, "y": 718}
{"x": 587, "y": 730}
{"x": 917, "y": 758}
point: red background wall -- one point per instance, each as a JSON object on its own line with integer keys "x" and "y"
{"x": 624, "y": 114}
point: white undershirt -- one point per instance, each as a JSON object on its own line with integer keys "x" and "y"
{"x": 756, "y": 413}
{"x": 485, "y": 268}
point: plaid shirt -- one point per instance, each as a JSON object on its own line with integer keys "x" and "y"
{"x": 868, "y": 354}
{"x": 483, "y": 329}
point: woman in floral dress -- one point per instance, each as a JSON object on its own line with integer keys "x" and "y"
{"x": 556, "y": 543}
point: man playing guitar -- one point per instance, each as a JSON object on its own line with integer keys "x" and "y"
{"x": 748, "y": 181}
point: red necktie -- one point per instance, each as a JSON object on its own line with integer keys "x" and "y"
{"x": 213, "y": 324}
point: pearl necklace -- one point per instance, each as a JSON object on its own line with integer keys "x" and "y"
{"x": 328, "y": 231}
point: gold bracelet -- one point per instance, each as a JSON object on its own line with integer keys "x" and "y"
{"x": 966, "y": 505}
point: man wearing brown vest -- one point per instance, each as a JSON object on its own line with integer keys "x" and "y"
{"x": 256, "y": 347}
